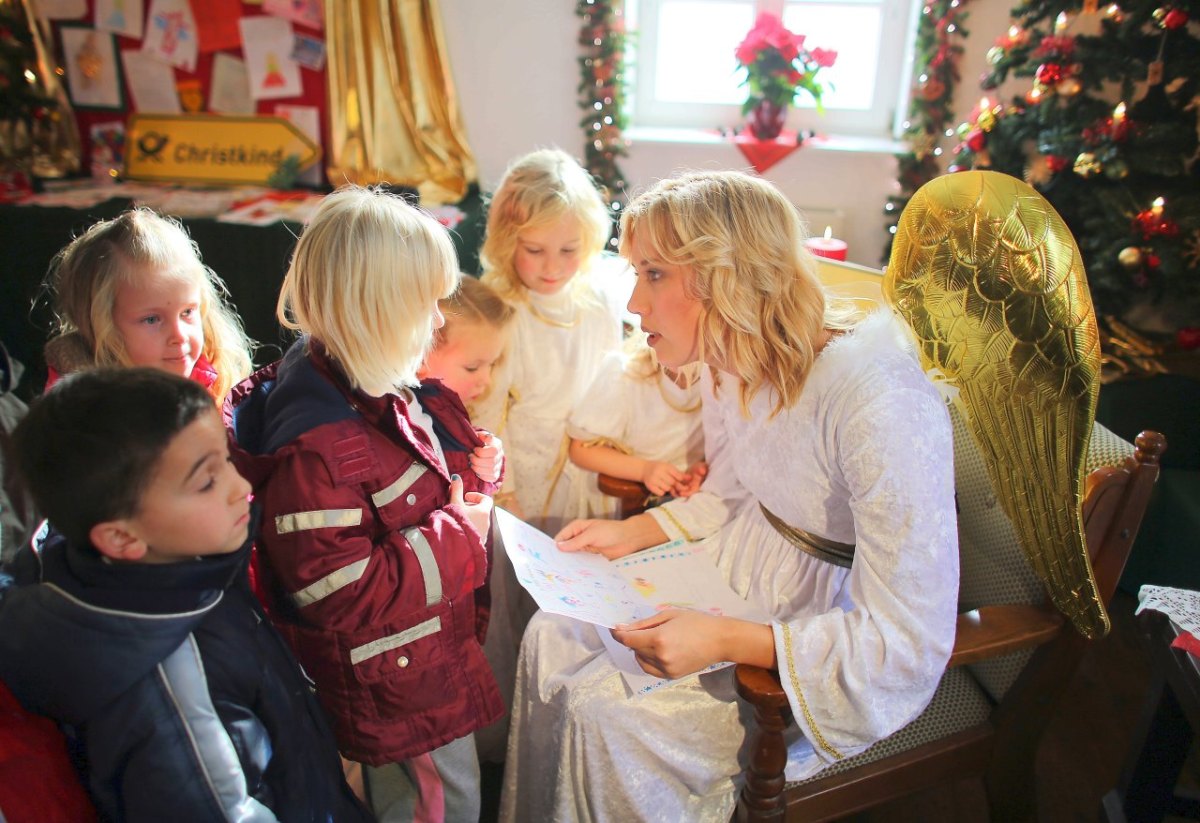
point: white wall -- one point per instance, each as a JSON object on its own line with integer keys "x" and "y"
{"x": 515, "y": 65}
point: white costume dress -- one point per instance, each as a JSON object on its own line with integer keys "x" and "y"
{"x": 863, "y": 457}
{"x": 558, "y": 342}
{"x": 649, "y": 417}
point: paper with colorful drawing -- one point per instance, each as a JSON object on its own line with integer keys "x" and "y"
{"x": 591, "y": 588}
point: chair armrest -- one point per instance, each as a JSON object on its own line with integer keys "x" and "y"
{"x": 631, "y": 494}
{"x": 987, "y": 632}
{"x": 760, "y": 687}
{"x": 994, "y": 631}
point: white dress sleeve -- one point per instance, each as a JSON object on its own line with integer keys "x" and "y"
{"x": 721, "y": 496}
{"x": 605, "y": 408}
{"x": 869, "y": 665}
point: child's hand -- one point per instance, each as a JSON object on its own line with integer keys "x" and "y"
{"x": 478, "y": 506}
{"x": 660, "y": 477}
{"x": 692, "y": 480}
{"x": 487, "y": 459}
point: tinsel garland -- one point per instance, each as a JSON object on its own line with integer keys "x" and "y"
{"x": 938, "y": 52}
{"x": 602, "y": 39}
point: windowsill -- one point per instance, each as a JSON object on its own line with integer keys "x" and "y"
{"x": 831, "y": 142}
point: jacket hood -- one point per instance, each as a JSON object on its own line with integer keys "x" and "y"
{"x": 77, "y": 631}
{"x": 69, "y": 353}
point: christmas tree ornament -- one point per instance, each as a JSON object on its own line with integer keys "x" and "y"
{"x": 1130, "y": 258}
{"x": 1188, "y": 338}
{"x": 1086, "y": 164}
{"x": 1048, "y": 74}
{"x": 1069, "y": 87}
{"x": 994, "y": 55}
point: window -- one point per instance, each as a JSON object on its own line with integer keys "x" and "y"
{"x": 684, "y": 73}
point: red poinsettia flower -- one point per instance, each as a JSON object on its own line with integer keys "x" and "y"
{"x": 778, "y": 66}
{"x": 824, "y": 57}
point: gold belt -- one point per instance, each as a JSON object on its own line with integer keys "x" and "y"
{"x": 839, "y": 554}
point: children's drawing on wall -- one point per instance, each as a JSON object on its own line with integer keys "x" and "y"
{"x": 304, "y": 12}
{"x": 267, "y": 44}
{"x": 92, "y": 75}
{"x": 230, "y": 89}
{"x": 125, "y": 17}
{"x": 171, "y": 33}
{"x": 151, "y": 83}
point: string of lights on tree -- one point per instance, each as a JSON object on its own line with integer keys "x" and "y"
{"x": 1107, "y": 132}
{"x": 602, "y": 40}
{"x": 938, "y": 52}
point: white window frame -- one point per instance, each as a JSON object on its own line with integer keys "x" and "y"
{"x": 882, "y": 119}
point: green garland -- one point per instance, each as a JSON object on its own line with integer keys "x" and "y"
{"x": 938, "y": 52}
{"x": 602, "y": 40}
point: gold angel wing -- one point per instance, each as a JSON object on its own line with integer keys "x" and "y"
{"x": 990, "y": 280}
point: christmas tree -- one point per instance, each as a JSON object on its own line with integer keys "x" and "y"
{"x": 37, "y": 129}
{"x": 1103, "y": 123}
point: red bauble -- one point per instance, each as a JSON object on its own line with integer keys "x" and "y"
{"x": 1056, "y": 162}
{"x": 1188, "y": 338}
{"x": 976, "y": 140}
{"x": 1048, "y": 74}
{"x": 1175, "y": 19}
{"x": 1153, "y": 261}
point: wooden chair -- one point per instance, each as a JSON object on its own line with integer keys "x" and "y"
{"x": 1013, "y": 656}
{"x": 631, "y": 495}
{"x": 1014, "y": 653}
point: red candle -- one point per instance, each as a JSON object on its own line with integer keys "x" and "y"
{"x": 827, "y": 246}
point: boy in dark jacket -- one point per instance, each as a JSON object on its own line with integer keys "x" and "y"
{"x": 132, "y": 623}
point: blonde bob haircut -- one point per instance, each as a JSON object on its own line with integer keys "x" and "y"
{"x": 537, "y": 190}
{"x": 364, "y": 281}
{"x": 473, "y": 303}
{"x": 85, "y": 276}
{"x": 763, "y": 308}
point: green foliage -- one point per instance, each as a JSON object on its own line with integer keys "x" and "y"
{"x": 1103, "y": 171}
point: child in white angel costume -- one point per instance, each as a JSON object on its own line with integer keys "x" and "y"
{"x": 640, "y": 421}
{"x": 547, "y": 227}
{"x": 828, "y": 502}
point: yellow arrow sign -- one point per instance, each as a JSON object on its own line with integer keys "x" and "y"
{"x": 211, "y": 148}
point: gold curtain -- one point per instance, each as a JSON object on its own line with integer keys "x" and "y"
{"x": 393, "y": 110}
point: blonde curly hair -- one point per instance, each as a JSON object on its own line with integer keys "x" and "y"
{"x": 763, "y": 308}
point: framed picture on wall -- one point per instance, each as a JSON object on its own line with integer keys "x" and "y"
{"x": 93, "y": 71}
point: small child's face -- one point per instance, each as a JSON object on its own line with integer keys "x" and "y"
{"x": 465, "y": 358}
{"x": 158, "y": 318}
{"x": 196, "y": 504}
{"x": 548, "y": 256}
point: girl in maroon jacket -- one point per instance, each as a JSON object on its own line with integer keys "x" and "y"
{"x": 376, "y": 505}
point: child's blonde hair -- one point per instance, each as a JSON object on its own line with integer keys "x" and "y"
{"x": 473, "y": 302}
{"x": 364, "y": 281}
{"x": 763, "y": 308}
{"x": 539, "y": 189}
{"x": 84, "y": 278}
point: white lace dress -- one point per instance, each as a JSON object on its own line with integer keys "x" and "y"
{"x": 651, "y": 418}
{"x": 863, "y": 457}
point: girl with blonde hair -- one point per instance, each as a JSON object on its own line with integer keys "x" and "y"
{"x": 132, "y": 291}
{"x": 468, "y": 348}
{"x": 546, "y": 229}
{"x": 375, "y": 504}
{"x": 829, "y": 504}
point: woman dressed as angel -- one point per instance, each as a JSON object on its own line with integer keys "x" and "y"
{"x": 829, "y": 503}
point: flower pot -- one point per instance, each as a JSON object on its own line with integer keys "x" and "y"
{"x": 766, "y": 120}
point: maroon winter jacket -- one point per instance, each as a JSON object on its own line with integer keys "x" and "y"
{"x": 367, "y": 569}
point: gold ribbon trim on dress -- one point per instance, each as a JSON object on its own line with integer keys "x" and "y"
{"x": 818, "y": 738}
{"x": 822, "y": 548}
